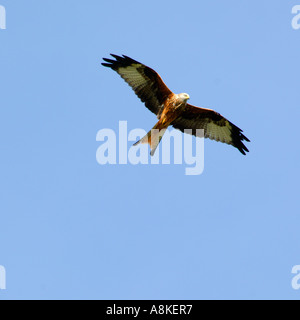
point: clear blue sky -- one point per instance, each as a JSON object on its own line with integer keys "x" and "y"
{"x": 73, "y": 229}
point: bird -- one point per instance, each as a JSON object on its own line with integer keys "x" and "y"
{"x": 172, "y": 109}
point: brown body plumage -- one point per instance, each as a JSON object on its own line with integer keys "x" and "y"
{"x": 173, "y": 109}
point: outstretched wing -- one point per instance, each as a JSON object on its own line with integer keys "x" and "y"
{"x": 215, "y": 126}
{"x": 146, "y": 83}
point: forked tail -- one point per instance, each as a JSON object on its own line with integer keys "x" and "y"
{"x": 153, "y": 137}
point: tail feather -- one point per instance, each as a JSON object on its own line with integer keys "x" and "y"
{"x": 153, "y": 137}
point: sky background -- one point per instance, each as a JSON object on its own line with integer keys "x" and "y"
{"x": 73, "y": 229}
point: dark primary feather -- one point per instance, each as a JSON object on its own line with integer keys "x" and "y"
{"x": 146, "y": 83}
{"x": 215, "y": 126}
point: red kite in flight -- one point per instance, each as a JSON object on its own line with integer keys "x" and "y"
{"x": 173, "y": 109}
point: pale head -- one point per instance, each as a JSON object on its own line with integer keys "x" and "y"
{"x": 183, "y": 96}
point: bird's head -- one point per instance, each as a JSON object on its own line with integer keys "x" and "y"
{"x": 184, "y": 96}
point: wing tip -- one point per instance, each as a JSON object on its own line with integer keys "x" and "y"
{"x": 237, "y": 142}
{"x": 243, "y": 150}
{"x": 120, "y": 61}
{"x": 106, "y": 64}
